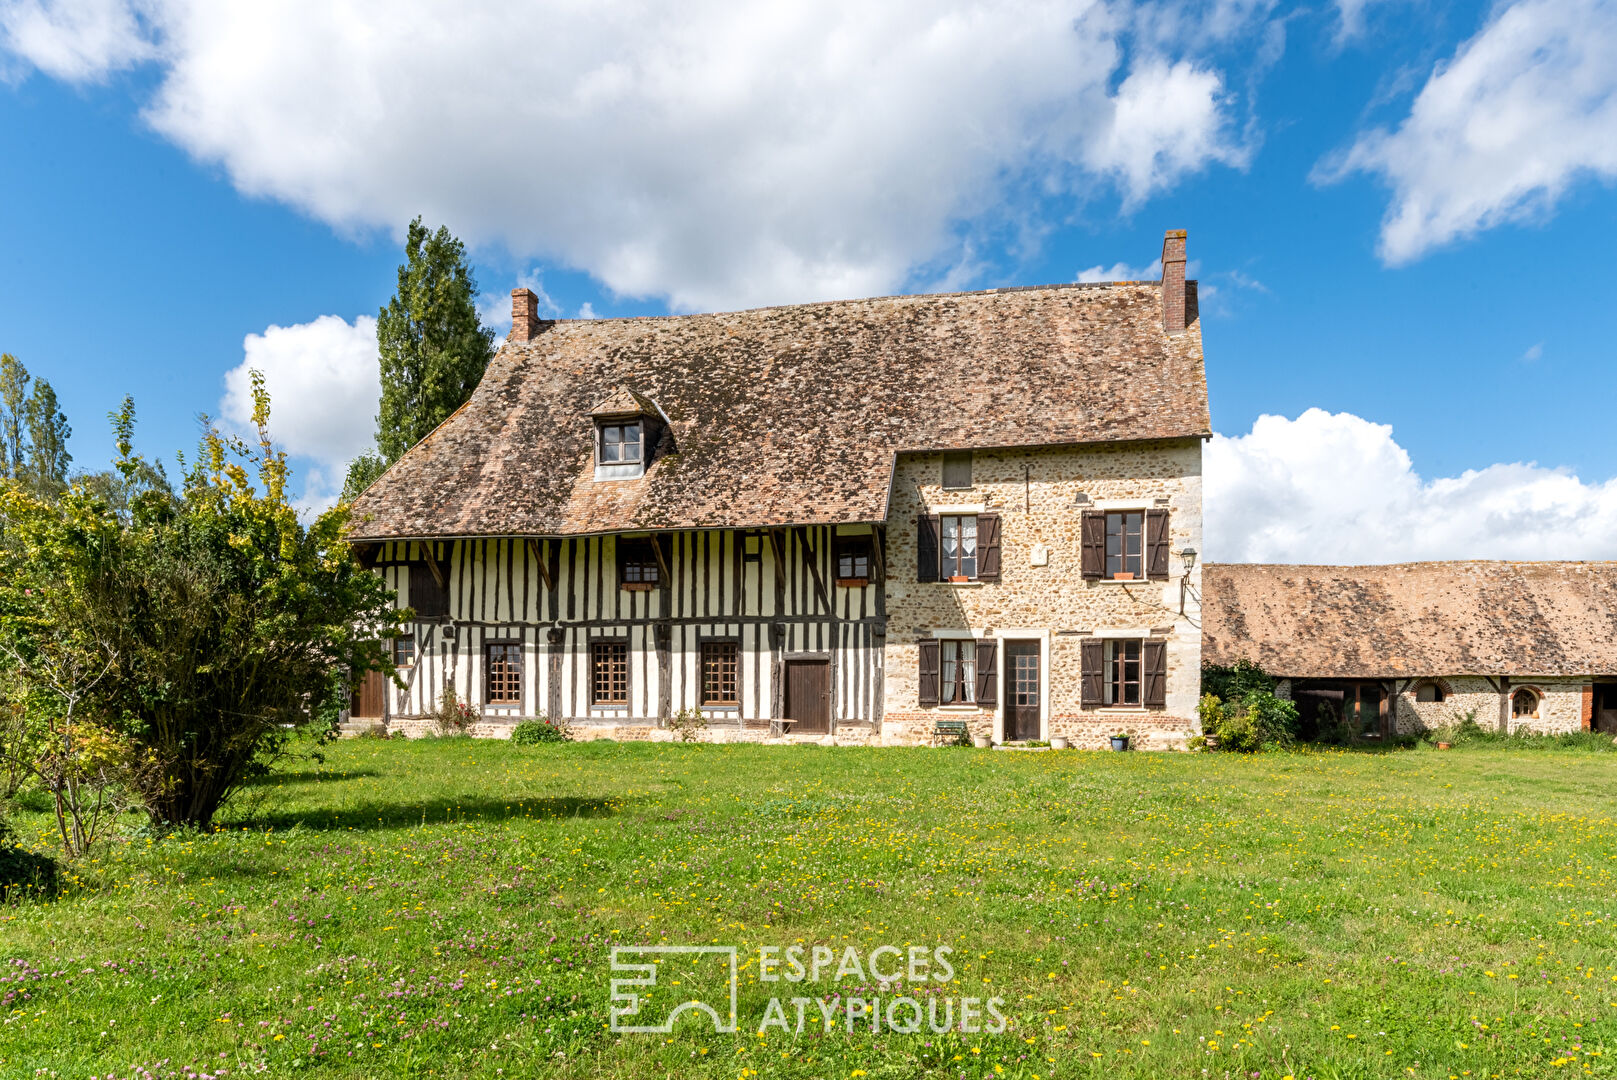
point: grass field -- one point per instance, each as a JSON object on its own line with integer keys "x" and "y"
{"x": 446, "y": 908}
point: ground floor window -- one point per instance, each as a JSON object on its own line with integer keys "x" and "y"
{"x": 1123, "y": 673}
{"x": 609, "y": 673}
{"x": 502, "y": 672}
{"x": 1524, "y": 704}
{"x": 404, "y": 651}
{"x": 1428, "y": 691}
{"x": 959, "y": 683}
{"x": 720, "y": 661}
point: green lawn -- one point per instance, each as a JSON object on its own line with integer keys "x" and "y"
{"x": 446, "y": 908}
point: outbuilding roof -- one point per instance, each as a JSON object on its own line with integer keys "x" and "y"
{"x": 1519, "y": 619}
{"x": 790, "y": 415}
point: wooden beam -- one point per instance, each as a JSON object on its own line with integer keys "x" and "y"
{"x": 662, "y": 562}
{"x": 432, "y": 562}
{"x": 539, "y": 560}
{"x": 814, "y": 567}
{"x": 879, "y": 551}
{"x": 367, "y": 554}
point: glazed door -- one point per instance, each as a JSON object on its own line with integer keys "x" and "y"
{"x": 808, "y": 696}
{"x": 1022, "y": 690}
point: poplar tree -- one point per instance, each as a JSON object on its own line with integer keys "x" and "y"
{"x": 45, "y": 464}
{"x": 13, "y": 415}
{"x": 432, "y": 347}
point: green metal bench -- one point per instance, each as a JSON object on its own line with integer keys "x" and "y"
{"x": 945, "y": 732}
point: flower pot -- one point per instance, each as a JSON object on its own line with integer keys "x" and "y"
{"x": 1120, "y": 742}
{"x": 982, "y": 744}
{"x": 1058, "y": 743}
{"x": 1445, "y": 746}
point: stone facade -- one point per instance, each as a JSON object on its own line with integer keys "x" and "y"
{"x": 1562, "y": 704}
{"x": 1041, "y": 595}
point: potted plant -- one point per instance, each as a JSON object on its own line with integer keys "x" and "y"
{"x": 982, "y": 742}
{"x": 1058, "y": 742}
{"x": 1120, "y": 740}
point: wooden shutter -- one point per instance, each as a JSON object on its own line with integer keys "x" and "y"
{"x": 926, "y": 548}
{"x": 1092, "y": 538}
{"x": 929, "y": 672}
{"x": 987, "y": 547}
{"x": 1156, "y": 544}
{"x": 1092, "y": 689}
{"x": 988, "y": 672}
{"x": 426, "y": 595}
{"x": 1154, "y": 673}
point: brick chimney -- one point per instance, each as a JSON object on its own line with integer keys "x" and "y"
{"x": 525, "y": 321}
{"x": 1173, "y": 281}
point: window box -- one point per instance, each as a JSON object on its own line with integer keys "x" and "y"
{"x": 852, "y": 582}
{"x": 638, "y": 586}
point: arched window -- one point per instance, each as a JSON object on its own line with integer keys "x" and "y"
{"x": 1428, "y": 691}
{"x": 1524, "y": 704}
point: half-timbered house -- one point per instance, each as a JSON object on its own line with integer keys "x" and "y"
{"x": 844, "y": 520}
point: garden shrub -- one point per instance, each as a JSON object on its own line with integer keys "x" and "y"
{"x": 1260, "y": 721}
{"x": 687, "y": 724}
{"x": 23, "y": 871}
{"x": 454, "y": 717}
{"x": 1235, "y": 681}
{"x": 541, "y": 730}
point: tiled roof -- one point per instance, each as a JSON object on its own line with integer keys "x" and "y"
{"x": 790, "y": 415}
{"x": 1414, "y": 619}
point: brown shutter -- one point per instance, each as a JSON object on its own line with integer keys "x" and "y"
{"x": 987, "y": 547}
{"x": 929, "y": 672}
{"x": 1092, "y": 691}
{"x": 926, "y": 548}
{"x": 1092, "y": 536}
{"x": 987, "y": 672}
{"x": 427, "y": 597}
{"x": 1156, "y": 544}
{"x": 1154, "y": 672}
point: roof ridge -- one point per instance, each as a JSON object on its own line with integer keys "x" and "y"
{"x": 865, "y": 300}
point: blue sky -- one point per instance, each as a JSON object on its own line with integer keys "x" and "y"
{"x": 1400, "y": 213}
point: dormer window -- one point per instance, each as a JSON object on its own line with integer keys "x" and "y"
{"x": 620, "y": 444}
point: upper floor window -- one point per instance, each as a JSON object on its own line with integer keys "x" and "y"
{"x": 1124, "y": 545}
{"x": 620, "y": 444}
{"x": 957, "y": 469}
{"x": 958, "y": 547}
{"x": 637, "y": 564}
{"x": 853, "y": 560}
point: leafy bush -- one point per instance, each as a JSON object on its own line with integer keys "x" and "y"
{"x": 1463, "y": 730}
{"x": 454, "y": 717}
{"x": 1236, "y": 681}
{"x": 1260, "y": 721}
{"x": 687, "y": 724}
{"x": 542, "y": 730}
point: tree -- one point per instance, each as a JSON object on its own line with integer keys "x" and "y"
{"x": 222, "y": 623}
{"x": 362, "y": 473}
{"x": 433, "y": 350}
{"x": 13, "y": 415}
{"x": 46, "y": 460}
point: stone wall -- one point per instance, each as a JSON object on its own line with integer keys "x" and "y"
{"x": 1036, "y": 494}
{"x": 1560, "y": 705}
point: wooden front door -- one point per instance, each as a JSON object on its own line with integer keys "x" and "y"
{"x": 365, "y": 697}
{"x": 808, "y": 696}
{"x": 1605, "y": 717}
{"x": 1022, "y": 689}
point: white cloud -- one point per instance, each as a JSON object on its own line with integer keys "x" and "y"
{"x": 1498, "y": 134}
{"x": 587, "y": 311}
{"x": 1335, "y": 488}
{"x": 324, "y": 386}
{"x": 1534, "y": 353}
{"x": 1122, "y": 272}
{"x": 713, "y": 153}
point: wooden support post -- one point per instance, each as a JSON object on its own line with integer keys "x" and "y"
{"x": 430, "y": 546}
{"x": 878, "y": 551}
{"x": 539, "y": 561}
{"x": 814, "y": 567}
{"x": 662, "y": 560}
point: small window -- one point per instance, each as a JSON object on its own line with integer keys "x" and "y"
{"x": 853, "y": 560}
{"x": 959, "y": 675}
{"x": 404, "y": 651}
{"x": 1125, "y": 545}
{"x": 957, "y": 469}
{"x": 637, "y": 564}
{"x": 1122, "y": 673}
{"x": 1428, "y": 692}
{"x": 620, "y": 444}
{"x": 1524, "y": 704}
{"x": 609, "y": 673}
{"x": 502, "y": 673}
{"x": 959, "y": 546}
{"x": 720, "y": 662}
